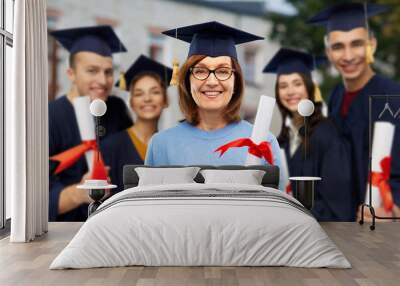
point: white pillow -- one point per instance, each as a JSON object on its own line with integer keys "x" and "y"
{"x": 248, "y": 177}
{"x": 165, "y": 176}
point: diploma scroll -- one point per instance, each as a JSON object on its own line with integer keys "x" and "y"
{"x": 381, "y": 150}
{"x": 86, "y": 124}
{"x": 261, "y": 125}
{"x": 285, "y": 172}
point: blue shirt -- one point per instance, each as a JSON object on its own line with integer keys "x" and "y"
{"x": 186, "y": 144}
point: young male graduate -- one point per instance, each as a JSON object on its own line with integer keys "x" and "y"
{"x": 350, "y": 46}
{"x": 90, "y": 73}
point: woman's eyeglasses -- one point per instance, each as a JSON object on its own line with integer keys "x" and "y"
{"x": 222, "y": 73}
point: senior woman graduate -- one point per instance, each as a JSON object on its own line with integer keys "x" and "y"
{"x": 211, "y": 89}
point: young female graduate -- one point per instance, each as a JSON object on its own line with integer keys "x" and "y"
{"x": 147, "y": 83}
{"x": 211, "y": 88}
{"x": 327, "y": 154}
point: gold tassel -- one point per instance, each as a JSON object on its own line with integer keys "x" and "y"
{"x": 369, "y": 54}
{"x": 175, "y": 73}
{"x": 317, "y": 94}
{"x": 122, "y": 81}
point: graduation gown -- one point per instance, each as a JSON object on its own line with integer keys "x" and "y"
{"x": 327, "y": 157}
{"x": 119, "y": 150}
{"x": 64, "y": 134}
{"x": 355, "y": 128}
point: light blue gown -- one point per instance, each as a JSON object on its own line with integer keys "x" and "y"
{"x": 186, "y": 144}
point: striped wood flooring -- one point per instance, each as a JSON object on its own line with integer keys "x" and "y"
{"x": 374, "y": 255}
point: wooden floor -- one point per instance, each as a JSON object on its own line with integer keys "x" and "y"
{"x": 374, "y": 255}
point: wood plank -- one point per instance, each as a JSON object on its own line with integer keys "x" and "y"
{"x": 374, "y": 255}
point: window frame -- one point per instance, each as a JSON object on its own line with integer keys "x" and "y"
{"x": 6, "y": 39}
{"x": 156, "y": 44}
{"x": 250, "y": 67}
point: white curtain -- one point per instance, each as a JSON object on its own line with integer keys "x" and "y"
{"x": 27, "y": 123}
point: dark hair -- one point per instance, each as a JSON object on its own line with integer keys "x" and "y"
{"x": 189, "y": 107}
{"x": 153, "y": 75}
{"x": 71, "y": 60}
{"x": 315, "y": 118}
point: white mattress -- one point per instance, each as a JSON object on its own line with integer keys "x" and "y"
{"x": 185, "y": 230}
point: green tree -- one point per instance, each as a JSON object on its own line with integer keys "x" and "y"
{"x": 293, "y": 31}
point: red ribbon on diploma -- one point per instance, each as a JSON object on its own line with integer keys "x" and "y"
{"x": 381, "y": 181}
{"x": 262, "y": 150}
{"x": 99, "y": 171}
{"x": 288, "y": 189}
{"x": 72, "y": 155}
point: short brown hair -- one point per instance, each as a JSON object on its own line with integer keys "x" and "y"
{"x": 156, "y": 77}
{"x": 71, "y": 60}
{"x": 189, "y": 107}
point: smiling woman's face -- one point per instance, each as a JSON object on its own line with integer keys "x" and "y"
{"x": 212, "y": 94}
{"x": 147, "y": 98}
{"x": 291, "y": 89}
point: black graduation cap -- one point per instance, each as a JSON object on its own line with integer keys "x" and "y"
{"x": 212, "y": 38}
{"x": 347, "y": 16}
{"x": 145, "y": 64}
{"x": 287, "y": 61}
{"x": 101, "y": 40}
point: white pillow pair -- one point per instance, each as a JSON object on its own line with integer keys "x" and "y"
{"x": 163, "y": 176}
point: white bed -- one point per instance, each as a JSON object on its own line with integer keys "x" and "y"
{"x": 203, "y": 225}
